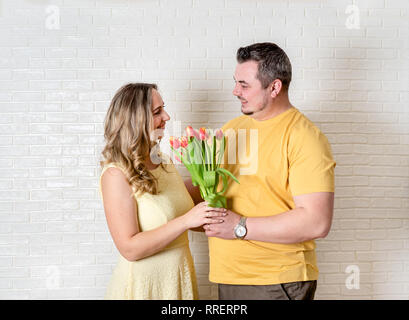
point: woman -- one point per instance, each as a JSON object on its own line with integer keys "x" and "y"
{"x": 147, "y": 206}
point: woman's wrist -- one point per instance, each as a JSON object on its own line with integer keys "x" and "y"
{"x": 182, "y": 221}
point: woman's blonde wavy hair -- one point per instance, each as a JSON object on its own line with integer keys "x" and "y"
{"x": 127, "y": 129}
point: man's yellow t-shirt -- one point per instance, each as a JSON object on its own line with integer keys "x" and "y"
{"x": 274, "y": 160}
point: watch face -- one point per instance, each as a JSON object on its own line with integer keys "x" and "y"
{"x": 240, "y": 231}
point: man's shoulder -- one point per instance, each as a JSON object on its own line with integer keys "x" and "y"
{"x": 305, "y": 134}
{"x": 302, "y": 124}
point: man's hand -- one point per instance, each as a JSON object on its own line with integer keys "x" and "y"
{"x": 224, "y": 230}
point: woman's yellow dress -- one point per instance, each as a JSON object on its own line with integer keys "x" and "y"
{"x": 168, "y": 274}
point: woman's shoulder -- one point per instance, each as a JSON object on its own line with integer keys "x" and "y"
{"x": 114, "y": 169}
{"x": 113, "y": 179}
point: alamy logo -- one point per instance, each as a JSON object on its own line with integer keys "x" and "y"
{"x": 242, "y": 147}
{"x": 239, "y": 143}
{"x": 353, "y": 20}
{"x": 52, "y": 21}
{"x": 352, "y": 281}
{"x": 53, "y": 277}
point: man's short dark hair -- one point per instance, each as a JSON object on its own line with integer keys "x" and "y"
{"x": 273, "y": 62}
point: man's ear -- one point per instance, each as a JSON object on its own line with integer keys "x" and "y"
{"x": 276, "y": 87}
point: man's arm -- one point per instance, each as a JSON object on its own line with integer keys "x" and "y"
{"x": 310, "y": 219}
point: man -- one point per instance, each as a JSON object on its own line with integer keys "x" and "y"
{"x": 265, "y": 247}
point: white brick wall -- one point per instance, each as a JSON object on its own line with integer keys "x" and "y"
{"x": 56, "y": 84}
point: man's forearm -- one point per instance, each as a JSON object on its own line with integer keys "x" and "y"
{"x": 293, "y": 226}
{"x": 310, "y": 219}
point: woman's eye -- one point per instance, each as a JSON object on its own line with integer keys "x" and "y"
{"x": 159, "y": 110}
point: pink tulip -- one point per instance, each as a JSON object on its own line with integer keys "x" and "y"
{"x": 184, "y": 142}
{"x": 174, "y": 142}
{"x": 190, "y": 131}
{"x": 203, "y": 135}
{"x": 219, "y": 134}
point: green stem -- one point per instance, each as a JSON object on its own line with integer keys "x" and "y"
{"x": 214, "y": 153}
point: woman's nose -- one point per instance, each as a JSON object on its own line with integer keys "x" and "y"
{"x": 166, "y": 117}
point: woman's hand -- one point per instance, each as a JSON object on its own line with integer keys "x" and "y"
{"x": 203, "y": 214}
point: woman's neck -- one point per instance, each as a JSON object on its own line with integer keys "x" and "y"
{"x": 150, "y": 165}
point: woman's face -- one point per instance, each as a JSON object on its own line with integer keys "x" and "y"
{"x": 160, "y": 116}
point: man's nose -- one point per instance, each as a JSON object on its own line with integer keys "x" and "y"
{"x": 236, "y": 90}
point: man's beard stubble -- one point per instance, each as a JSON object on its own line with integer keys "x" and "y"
{"x": 249, "y": 113}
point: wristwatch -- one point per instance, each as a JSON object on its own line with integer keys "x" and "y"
{"x": 240, "y": 230}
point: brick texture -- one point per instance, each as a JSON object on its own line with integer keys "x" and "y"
{"x": 62, "y": 60}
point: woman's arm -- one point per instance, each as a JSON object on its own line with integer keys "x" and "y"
{"x": 194, "y": 192}
{"x": 121, "y": 214}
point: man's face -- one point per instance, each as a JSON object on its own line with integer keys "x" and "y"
{"x": 248, "y": 88}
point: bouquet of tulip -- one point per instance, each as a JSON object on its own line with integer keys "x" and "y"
{"x": 201, "y": 153}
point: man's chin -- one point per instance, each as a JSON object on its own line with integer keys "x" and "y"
{"x": 247, "y": 113}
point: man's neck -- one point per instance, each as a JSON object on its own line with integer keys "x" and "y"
{"x": 278, "y": 106}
